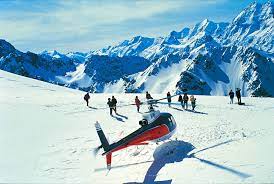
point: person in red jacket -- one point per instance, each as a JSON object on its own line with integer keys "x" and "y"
{"x": 137, "y": 103}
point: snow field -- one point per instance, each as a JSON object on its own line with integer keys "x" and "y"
{"x": 47, "y": 135}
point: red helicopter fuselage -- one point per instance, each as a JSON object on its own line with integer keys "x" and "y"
{"x": 160, "y": 127}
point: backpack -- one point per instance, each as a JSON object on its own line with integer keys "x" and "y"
{"x": 86, "y": 97}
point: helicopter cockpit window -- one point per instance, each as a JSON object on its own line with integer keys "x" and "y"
{"x": 171, "y": 119}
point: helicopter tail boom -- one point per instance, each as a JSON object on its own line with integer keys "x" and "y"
{"x": 105, "y": 144}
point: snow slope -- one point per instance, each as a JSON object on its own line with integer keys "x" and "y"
{"x": 47, "y": 135}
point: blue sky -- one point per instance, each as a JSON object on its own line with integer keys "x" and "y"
{"x": 84, "y": 25}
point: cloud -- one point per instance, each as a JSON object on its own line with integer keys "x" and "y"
{"x": 74, "y": 17}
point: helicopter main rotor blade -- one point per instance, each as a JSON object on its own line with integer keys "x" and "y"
{"x": 125, "y": 105}
{"x": 171, "y": 103}
{"x": 167, "y": 97}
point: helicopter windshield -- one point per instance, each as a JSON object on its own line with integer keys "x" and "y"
{"x": 172, "y": 122}
{"x": 171, "y": 119}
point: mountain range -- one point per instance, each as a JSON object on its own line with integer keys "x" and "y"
{"x": 209, "y": 58}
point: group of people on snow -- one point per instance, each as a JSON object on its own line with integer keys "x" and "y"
{"x": 112, "y": 102}
{"x": 238, "y": 95}
{"x": 184, "y": 101}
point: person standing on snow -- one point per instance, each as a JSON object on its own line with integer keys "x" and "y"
{"x": 87, "y": 97}
{"x": 231, "y": 95}
{"x": 193, "y": 102}
{"x": 168, "y": 98}
{"x": 185, "y": 100}
{"x": 148, "y": 96}
{"x": 137, "y": 103}
{"x": 238, "y": 94}
{"x": 110, "y": 105}
{"x": 114, "y": 103}
{"x": 180, "y": 99}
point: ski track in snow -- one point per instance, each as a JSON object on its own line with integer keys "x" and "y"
{"x": 53, "y": 132}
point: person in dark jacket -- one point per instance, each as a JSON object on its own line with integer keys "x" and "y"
{"x": 168, "y": 98}
{"x": 148, "y": 96}
{"x": 137, "y": 103}
{"x": 231, "y": 96}
{"x": 110, "y": 105}
{"x": 87, "y": 97}
{"x": 180, "y": 99}
{"x": 114, "y": 103}
{"x": 185, "y": 100}
{"x": 238, "y": 95}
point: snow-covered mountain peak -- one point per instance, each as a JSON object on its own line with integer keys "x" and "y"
{"x": 137, "y": 39}
{"x": 53, "y": 53}
{"x": 78, "y": 57}
{"x": 253, "y": 27}
{"x": 132, "y": 47}
{"x": 172, "y": 39}
{"x": 255, "y": 14}
{"x": 268, "y": 10}
{"x": 208, "y": 27}
{"x": 5, "y": 47}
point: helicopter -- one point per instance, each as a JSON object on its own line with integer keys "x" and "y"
{"x": 156, "y": 126}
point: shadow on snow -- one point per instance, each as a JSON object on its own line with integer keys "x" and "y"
{"x": 177, "y": 151}
{"x": 169, "y": 152}
{"x": 197, "y": 112}
{"x": 118, "y": 118}
{"x": 122, "y": 116}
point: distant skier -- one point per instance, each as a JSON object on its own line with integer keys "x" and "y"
{"x": 193, "y": 102}
{"x": 148, "y": 96}
{"x": 137, "y": 103}
{"x": 238, "y": 94}
{"x": 114, "y": 103}
{"x": 185, "y": 100}
{"x": 87, "y": 97}
{"x": 168, "y": 98}
{"x": 110, "y": 105}
{"x": 231, "y": 95}
{"x": 180, "y": 99}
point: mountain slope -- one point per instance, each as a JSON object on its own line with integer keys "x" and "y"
{"x": 224, "y": 56}
{"x": 33, "y": 65}
{"x": 253, "y": 27}
{"x": 209, "y": 58}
